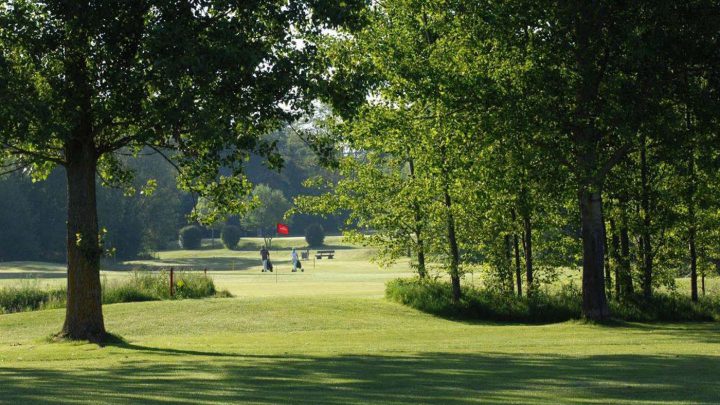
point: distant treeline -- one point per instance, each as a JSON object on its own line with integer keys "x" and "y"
{"x": 33, "y": 215}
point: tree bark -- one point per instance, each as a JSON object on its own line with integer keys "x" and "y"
{"x": 595, "y": 304}
{"x": 83, "y": 314}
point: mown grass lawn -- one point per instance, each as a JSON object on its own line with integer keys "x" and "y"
{"x": 328, "y": 337}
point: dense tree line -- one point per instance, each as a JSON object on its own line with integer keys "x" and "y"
{"x": 529, "y": 135}
{"x": 142, "y": 220}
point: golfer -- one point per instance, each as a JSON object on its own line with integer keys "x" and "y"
{"x": 265, "y": 256}
{"x": 295, "y": 261}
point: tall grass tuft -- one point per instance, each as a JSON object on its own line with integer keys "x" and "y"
{"x": 140, "y": 286}
{"x": 30, "y": 296}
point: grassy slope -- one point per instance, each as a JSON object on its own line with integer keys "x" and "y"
{"x": 325, "y": 337}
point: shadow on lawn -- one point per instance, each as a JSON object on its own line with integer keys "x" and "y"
{"x": 30, "y": 275}
{"x": 197, "y": 377}
{"x": 190, "y": 263}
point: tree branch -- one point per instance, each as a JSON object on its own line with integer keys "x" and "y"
{"x": 164, "y": 156}
{"x": 15, "y": 150}
{"x": 120, "y": 143}
{"x": 618, "y": 156}
{"x": 10, "y": 171}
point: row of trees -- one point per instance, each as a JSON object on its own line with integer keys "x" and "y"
{"x": 533, "y": 134}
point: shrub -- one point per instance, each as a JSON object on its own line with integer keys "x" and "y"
{"x": 191, "y": 237}
{"x": 230, "y": 236}
{"x": 435, "y": 297}
{"x": 315, "y": 235}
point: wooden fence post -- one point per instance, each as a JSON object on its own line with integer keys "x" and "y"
{"x": 172, "y": 284}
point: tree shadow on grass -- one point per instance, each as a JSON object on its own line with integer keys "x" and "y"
{"x": 30, "y": 275}
{"x": 182, "y": 376}
{"x": 190, "y": 263}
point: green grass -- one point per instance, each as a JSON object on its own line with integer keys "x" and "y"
{"x": 327, "y": 336}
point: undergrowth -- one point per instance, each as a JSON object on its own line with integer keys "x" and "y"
{"x": 435, "y": 297}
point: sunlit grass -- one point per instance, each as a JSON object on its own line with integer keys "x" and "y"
{"x": 326, "y": 336}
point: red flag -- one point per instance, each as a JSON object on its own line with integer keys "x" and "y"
{"x": 283, "y": 229}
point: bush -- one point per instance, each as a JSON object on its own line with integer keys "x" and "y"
{"x": 230, "y": 236}
{"x": 191, "y": 237}
{"x": 315, "y": 235}
{"x": 435, "y": 297}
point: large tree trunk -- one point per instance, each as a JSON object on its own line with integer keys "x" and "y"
{"x": 646, "y": 245}
{"x": 83, "y": 316}
{"x": 595, "y": 305}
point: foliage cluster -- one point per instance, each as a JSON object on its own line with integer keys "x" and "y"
{"x": 314, "y": 235}
{"x": 190, "y": 237}
{"x": 230, "y": 236}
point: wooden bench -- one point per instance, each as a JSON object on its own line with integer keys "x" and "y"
{"x": 324, "y": 253}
